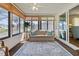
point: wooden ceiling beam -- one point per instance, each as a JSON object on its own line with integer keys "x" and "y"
{"x": 12, "y": 9}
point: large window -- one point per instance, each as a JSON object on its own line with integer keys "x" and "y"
{"x": 15, "y": 25}
{"x": 28, "y": 19}
{"x": 3, "y": 23}
{"x": 28, "y": 28}
{"x": 34, "y": 26}
{"x": 21, "y": 25}
{"x": 44, "y": 25}
{"x": 62, "y": 27}
{"x": 50, "y": 25}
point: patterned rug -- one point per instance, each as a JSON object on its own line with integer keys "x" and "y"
{"x": 42, "y": 49}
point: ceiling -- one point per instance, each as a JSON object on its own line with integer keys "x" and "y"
{"x": 48, "y": 9}
{"x": 74, "y": 11}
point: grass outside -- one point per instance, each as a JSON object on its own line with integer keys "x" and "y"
{"x": 3, "y": 30}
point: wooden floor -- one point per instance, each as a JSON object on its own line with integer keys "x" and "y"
{"x": 74, "y": 41}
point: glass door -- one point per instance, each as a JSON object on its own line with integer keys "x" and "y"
{"x": 63, "y": 27}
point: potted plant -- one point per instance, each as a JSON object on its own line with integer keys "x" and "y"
{"x": 26, "y": 25}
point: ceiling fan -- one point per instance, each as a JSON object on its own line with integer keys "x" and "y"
{"x": 35, "y": 6}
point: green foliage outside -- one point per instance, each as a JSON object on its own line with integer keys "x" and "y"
{"x": 26, "y": 24}
{"x": 3, "y": 30}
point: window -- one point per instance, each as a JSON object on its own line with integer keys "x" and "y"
{"x": 29, "y": 28}
{"x": 15, "y": 25}
{"x": 44, "y": 25}
{"x": 21, "y": 25}
{"x": 50, "y": 25}
{"x": 62, "y": 27}
{"x": 28, "y": 18}
{"x": 34, "y": 26}
{"x": 3, "y": 23}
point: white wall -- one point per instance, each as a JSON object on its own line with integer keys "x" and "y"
{"x": 76, "y": 21}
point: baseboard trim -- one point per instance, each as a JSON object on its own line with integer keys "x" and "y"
{"x": 68, "y": 48}
{"x": 15, "y": 49}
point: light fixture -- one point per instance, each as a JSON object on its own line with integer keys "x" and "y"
{"x": 35, "y": 8}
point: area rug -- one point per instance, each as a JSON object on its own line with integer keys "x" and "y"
{"x": 42, "y": 49}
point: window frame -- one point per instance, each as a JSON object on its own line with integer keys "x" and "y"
{"x": 37, "y": 25}
{"x": 19, "y": 25}
{"x": 8, "y": 26}
{"x": 23, "y": 25}
{"x": 46, "y": 24}
{"x": 65, "y": 36}
{"x": 53, "y": 24}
